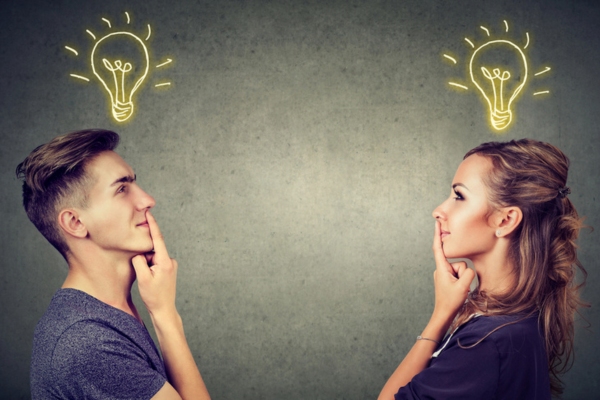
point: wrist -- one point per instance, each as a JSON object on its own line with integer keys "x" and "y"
{"x": 436, "y": 328}
{"x": 166, "y": 320}
{"x": 437, "y": 342}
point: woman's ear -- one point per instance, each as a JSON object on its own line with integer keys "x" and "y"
{"x": 71, "y": 224}
{"x": 507, "y": 220}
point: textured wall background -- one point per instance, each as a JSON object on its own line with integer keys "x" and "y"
{"x": 295, "y": 160}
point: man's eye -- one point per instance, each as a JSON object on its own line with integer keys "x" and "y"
{"x": 121, "y": 189}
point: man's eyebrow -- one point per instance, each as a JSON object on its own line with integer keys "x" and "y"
{"x": 127, "y": 178}
{"x": 459, "y": 184}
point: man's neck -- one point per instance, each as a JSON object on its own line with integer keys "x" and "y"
{"x": 104, "y": 276}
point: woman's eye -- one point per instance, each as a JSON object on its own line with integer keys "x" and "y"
{"x": 458, "y": 196}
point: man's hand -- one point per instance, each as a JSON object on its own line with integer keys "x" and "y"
{"x": 156, "y": 275}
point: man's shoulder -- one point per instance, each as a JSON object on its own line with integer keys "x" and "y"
{"x": 68, "y": 308}
{"x": 75, "y": 314}
{"x": 80, "y": 339}
{"x": 73, "y": 303}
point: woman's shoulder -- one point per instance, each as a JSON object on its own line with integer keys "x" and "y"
{"x": 523, "y": 320}
{"x": 503, "y": 330}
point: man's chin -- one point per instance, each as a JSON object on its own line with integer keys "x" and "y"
{"x": 142, "y": 251}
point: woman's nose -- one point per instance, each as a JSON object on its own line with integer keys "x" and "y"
{"x": 438, "y": 212}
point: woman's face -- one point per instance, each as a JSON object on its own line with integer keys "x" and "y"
{"x": 466, "y": 231}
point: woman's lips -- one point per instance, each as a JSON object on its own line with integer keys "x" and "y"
{"x": 444, "y": 234}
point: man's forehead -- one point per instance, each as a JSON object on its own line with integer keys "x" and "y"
{"x": 107, "y": 167}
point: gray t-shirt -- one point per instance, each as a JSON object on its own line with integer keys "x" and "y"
{"x": 85, "y": 349}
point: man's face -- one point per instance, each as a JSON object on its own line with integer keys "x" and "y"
{"x": 115, "y": 216}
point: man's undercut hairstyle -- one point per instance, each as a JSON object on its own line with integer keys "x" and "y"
{"x": 54, "y": 178}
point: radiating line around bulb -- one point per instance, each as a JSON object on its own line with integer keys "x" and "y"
{"x": 471, "y": 43}
{"x": 450, "y": 58}
{"x": 542, "y": 92}
{"x": 543, "y": 72}
{"x": 71, "y": 49}
{"x": 149, "y": 32}
{"x": 458, "y": 85}
{"x": 128, "y": 19}
{"x": 107, "y": 21}
{"x": 165, "y": 63}
{"x": 506, "y": 25}
{"x": 91, "y": 34}
{"x": 526, "y": 44}
{"x": 163, "y": 84}
{"x": 486, "y": 30}
{"x": 80, "y": 77}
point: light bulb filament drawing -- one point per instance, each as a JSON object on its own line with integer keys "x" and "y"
{"x": 121, "y": 68}
{"x": 500, "y": 115}
{"x": 499, "y": 70}
{"x": 122, "y": 107}
{"x": 121, "y": 63}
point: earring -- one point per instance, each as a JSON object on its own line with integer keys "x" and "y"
{"x": 498, "y": 233}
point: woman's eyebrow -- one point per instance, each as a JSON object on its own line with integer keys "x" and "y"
{"x": 459, "y": 184}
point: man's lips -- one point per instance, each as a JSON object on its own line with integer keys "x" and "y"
{"x": 145, "y": 223}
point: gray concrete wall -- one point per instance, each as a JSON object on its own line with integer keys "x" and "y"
{"x": 295, "y": 160}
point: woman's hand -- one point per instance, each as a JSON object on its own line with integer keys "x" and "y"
{"x": 452, "y": 282}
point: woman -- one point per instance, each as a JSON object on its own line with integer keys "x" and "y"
{"x": 510, "y": 338}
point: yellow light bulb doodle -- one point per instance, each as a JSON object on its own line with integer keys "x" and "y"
{"x": 116, "y": 76}
{"x": 494, "y": 86}
{"x": 121, "y": 63}
{"x": 499, "y": 70}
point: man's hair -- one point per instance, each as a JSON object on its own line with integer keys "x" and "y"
{"x": 54, "y": 178}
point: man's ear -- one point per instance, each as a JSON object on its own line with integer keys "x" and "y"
{"x": 71, "y": 224}
{"x": 507, "y": 220}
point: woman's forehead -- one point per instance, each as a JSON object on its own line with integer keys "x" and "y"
{"x": 472, "y": 170}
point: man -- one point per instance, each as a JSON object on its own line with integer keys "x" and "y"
{"x": 91, "y": 343}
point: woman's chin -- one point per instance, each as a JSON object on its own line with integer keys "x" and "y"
{"x": 454, "y": 254}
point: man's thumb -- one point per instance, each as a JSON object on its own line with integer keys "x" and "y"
{"x": 142, "y": 271}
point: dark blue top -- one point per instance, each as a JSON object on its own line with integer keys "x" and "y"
{"x": 85, "y": 349}
{"x": 511, "y": 363}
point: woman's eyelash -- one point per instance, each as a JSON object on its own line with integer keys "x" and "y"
{"x": 458, "y": 195}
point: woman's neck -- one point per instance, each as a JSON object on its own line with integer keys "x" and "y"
{"x": 495, "y": 272}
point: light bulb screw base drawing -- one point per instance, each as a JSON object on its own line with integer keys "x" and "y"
{"x": 500, "y": 119}
{"x": 122, "y": 111}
